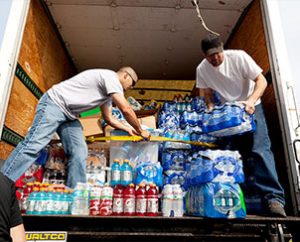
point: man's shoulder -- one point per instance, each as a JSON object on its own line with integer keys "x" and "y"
{"x": 203, "y": 64}
{"x": 235, "y": 54}
{"x": 99, "y": 71}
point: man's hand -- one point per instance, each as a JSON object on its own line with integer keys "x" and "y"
{"x": 249, "y": 106}
{"x": 210, "y": 106}
{"x": 131, "y": 132}
{"x": 146, "y": 135}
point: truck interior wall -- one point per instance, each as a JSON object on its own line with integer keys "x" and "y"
{"x": 45, "y": 62}
{"x": 249, "y": 35}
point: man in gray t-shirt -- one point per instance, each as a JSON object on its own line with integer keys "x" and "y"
{"x": 58, "y": 110}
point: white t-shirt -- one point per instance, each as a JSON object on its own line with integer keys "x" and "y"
{"x": 86, "y": 90}
{"x": 233, "y": 79}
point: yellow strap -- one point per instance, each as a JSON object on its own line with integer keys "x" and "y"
{"x": 153, "y": 139}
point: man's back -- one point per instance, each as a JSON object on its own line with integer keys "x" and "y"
{"x": 10, "y": 215}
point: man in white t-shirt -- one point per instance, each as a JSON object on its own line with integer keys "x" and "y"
{"x": 58, "y": 111}
{"x": 236, "y": 77}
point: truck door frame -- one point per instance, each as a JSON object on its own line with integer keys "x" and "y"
{"x": 284, "y": 93}
{"x": 9, "y": 51}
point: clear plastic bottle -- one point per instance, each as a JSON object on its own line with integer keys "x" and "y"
{"x": 177, "y": 205}
{"x": 115, "y": 173}
{"x": 46, "y": 176}
{"x": 126, "y": 173}
{"x": 80, "y": 204}
{"x": 167, "y": 201}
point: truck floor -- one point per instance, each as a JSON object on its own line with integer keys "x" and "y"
{"x": 122, "y": 228}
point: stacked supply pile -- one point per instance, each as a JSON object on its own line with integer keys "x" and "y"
{"x": 181, "y": 120}
{"x": 213, "y": 178}
{"x": 178, "y": 120}
{"x": 136, "y": 177}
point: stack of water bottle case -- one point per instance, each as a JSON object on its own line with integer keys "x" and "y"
{"x": 154, "y": 179}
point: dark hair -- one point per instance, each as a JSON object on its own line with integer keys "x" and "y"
{"x": 211, "y": 42}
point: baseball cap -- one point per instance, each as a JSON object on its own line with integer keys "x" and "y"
{"x": 211, "y": 44}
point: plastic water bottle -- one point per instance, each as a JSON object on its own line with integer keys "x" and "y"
{"x": 43, "y": 201}
{"x": 115, "y": 173}
{"x": 80, "y": 204}
{"x": 126, "y": 173}
{"x": 167, "y": 201}
{"x": 141, "y": 200}
{"x": 152, "y": 200}
{"x": 32, "y": 199}
{"x": 57, "y": 201}
{"x": 118, "y": 200}
{"x": 65, "y": 202}
{"x": 177, "y": 205}
{"x": 70, "y": 201}
{"x": 46, "y": 176}
{"x": 129, "y": 200}
{"x": 38, "y": 205}
{"x": 50, "y": 202}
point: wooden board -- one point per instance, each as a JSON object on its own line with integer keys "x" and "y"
{"x": 250, "y": 37}
{"x": 5, "y": 150}
{"x": 44, "y": 60}
{"x": 21, "y": 108}
{"x": 42, "y": 55}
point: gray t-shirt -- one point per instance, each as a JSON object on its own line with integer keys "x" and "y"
{"x": 86, "y": 90}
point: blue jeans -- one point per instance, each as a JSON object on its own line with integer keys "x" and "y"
{"x": 258, "y": 160}
{"x": 49, "y": 119}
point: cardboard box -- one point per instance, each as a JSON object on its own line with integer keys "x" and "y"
{"x": 91, "y": 125}
{"x": 149, "y": 121}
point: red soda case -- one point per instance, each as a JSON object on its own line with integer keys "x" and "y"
{"x": 129, "y": 200}
{"x": 95, "y": 196}
{"x": 118, "y": 200}
{"x": 140, "y": 201}
{"x": 152, "y": 200}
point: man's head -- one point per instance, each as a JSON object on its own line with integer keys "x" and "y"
{"x": 127, "y": 77}
{"x": 212, "y": 47}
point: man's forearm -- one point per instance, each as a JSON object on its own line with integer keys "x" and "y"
{"x": 132, "y": 119}
{"x": 116, "y": 124}
{"x": 259, "y": 89}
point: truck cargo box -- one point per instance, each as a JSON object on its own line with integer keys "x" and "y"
{"x": 54, "y": 39}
